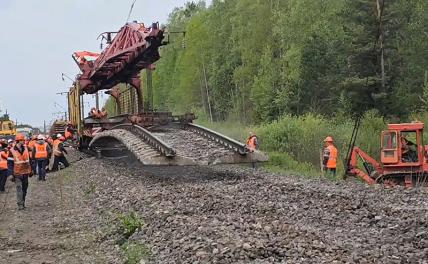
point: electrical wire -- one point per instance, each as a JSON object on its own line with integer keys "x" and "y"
{"x": 130, "y": 11}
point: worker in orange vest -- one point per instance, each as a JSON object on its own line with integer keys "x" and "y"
{"x": 3, "y": 165}
{"x": 252, "y": 145}
{"x": 30, "y": 149}
{"x": 68, "y": 134}
{"x": 58, "y": 152}
{"x": 330, "y": 158}
{"x": 252, "y": 142}
{"x": 21, "y": 168}
{"x": 41, "y": 153}
{"x": 10, "y": 145}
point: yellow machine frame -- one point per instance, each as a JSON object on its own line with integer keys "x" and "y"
{"x": 5, "y": 128}
{"x": 74, "y": 108}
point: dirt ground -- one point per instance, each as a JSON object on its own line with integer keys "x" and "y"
{"x": 54, "y": 228}
{"x": 224, "y": 214}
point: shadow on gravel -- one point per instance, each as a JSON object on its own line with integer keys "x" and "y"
{"x": 180, "y": 174}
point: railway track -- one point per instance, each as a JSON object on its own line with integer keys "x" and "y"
{"x": 173, "y": 144}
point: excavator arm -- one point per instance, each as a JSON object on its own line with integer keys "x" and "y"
{"x": 364, "y": 175}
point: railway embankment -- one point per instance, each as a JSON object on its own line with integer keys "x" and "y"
{"x": 107, "y": 211}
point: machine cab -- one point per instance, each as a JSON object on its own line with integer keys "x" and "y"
{"x": 402, "y": 145}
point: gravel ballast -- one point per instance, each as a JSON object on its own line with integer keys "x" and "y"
{"x": 229, "y": 214}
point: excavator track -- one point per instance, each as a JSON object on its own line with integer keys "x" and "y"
{"x": 174, "y": 144}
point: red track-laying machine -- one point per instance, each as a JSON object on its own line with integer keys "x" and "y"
{"x": 403, "y": 158}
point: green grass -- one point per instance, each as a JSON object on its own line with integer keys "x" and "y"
{"x": 130, "y": 223}
{"x": 235, "y": 130}
{"x": 89, "y": 190}
{"x": 294, "y": 144}
{"x": 135, "y": 252}
{"x": 66, "y": 176}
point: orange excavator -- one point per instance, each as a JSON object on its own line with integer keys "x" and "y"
{"x": 403, "y": 158}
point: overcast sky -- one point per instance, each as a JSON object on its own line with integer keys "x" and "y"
{"x": 37, "y": 38}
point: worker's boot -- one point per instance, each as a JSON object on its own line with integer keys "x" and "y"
{"x": 21, "y": 207}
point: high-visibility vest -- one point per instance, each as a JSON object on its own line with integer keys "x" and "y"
{"x": 3, "y": 160}
{"x": 57, "y": 152}
{"x": 251, "y": 143}
{"x": 67, "y": 134}
{"x": 41, "y": 151}
{"x": 30, "y": 147}
{"x": 332, "y": 159}
{"x": 21, "y": 162}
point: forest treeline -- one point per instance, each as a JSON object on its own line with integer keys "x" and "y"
{"x": 258, "y": 60}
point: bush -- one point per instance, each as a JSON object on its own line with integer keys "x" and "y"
{"x": 130, "y": 223}
{"x": 302, "y": 138}
{"x": 294, "y": 143}
{"x": 284, "y": 162}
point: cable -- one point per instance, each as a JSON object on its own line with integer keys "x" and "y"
{"x": 130, "y": 11}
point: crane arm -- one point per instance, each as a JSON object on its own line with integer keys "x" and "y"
{"x": 353, "y": 165}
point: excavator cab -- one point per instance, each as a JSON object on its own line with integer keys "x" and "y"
{"x": 402, "y": 145}
{"x": 389, "y": 153}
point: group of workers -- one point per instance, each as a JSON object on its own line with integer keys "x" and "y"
{"x": 22, "y": 158}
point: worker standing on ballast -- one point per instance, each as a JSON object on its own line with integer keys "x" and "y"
{"x": 330, "y": 158}
{"x": 30, "y": 146}
{"x": 21, "y": 169}
{"x": 253, "y": 145}
{"x": 41, "y": 153}
{"x": 58, "y": 152}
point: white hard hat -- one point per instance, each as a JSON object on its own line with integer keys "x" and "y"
{"x": 40, "y": 137}
{"x": 9, "y": 140}
{"x": 58, "y": 135}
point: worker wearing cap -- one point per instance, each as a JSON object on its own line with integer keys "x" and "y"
{"x": 330, "y": 158}
{"x": 58, "y": 152}
{"x": 252, "y": 145}
{"x": 3, "y": 165}
{"x": 41, "y": 152}
{"x": 21, "y": 169}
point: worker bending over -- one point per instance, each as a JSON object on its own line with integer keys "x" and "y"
{"x": 41, "y": 154}
{"x": 21, "y": 168}
{"x": 58, "y": 152}
{"x": 330, "y": 158}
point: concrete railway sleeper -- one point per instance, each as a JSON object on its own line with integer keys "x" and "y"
{"x": 222, "y": 139}
{"x": 149, "y": 138}
{"x": 173, "y": 144}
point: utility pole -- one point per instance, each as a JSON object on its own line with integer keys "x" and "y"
{"x": 44, "y": 126}
{"x": 149, "y": 90}
{"x": 97, "y": 101}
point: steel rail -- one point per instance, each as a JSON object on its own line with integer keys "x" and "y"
{"x": 149, "y": 138}
{"x": 219, "y": 138}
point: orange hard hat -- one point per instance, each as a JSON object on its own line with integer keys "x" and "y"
{"x": 19, "y": 137}
{"x": 328, "y": 139}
